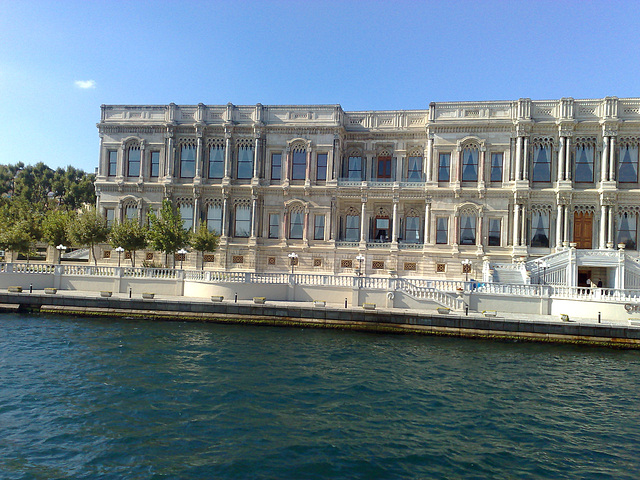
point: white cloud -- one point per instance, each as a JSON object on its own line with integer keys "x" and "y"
{"x": 84, "y": 84}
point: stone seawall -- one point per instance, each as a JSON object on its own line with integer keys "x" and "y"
{"x": 293, "y": 314}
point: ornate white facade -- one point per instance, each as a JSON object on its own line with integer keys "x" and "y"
{"x": 414, "y": 192}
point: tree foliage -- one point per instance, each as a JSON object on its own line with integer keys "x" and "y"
{"x": 165, "y": 230}
{"x": 129, "y": 235}
{"x": 55, "y": 227}
{"x": 17, "y": 239}
{"x": 204, "y": 241}
{"x": 89, "y": 228}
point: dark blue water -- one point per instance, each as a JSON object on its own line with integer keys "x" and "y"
{"x": 82, "y": 398}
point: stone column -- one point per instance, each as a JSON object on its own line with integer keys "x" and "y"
{"x": 285, "y": 223}
{"x": 225, "y": 216}
{"x": 525, "y": 160}
{"x": 565, "y": 234}
{"x": 559, "y": 224}
{"x": 143, "y": 162}
{"x": 256, "y": 156}
{"x": 479, "y": 233}
{"x": 254, "y": 216}
{"x": 561, "y": 156}
{"x": 287, "y": 162}
{"x": 196, "y": 214}
{"x": 305, "y": 229}
{"x": 516, "y": 225}
{"x": 518, "y": 158}
{"x": 427, "y": 223}
{"x": 122, "y": 168}
{"x": 567, "y": 159}
{"x": 456, "y": 228}
{"x": 610, "y": 238}
{"x": 199, "y": 156}
{"x": 227, "y": 156}
{"x": 603, "y": 226}
{"x": 429, "y": 160}
{"x": 400, "y": 168}
{"x": 523, "y": 225}
{"x": 604, "y": 167}
{"x": 481, "y": 166}
{"x": 394, "y": 226}
{"x": 612, "y": 159}
{"x": 363, "y": 232}
{"x": 307, "y": 170}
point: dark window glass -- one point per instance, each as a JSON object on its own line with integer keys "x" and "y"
{"x": 321, "y": 167}
{"x": 354, "y": 168}
{"x": 274, "y": 225}
{"x": 113, "y": 163}
{"x": 494, "y": 232}
{"x": 627, "y": 230}
{"x": 496, "y": 167}
{"x": 297, "y": 225}
{"x": 299, "y": 167}
{"x": 352, "y": 230}
{"x": 245, "y": 162}
{"x": 443, "y": 167}
{"x": 628, "y": 165}
{"x": 541, "y": 163}
{"x": 381, "y": 233}
{"x": 188, "y": 161}
{"x": 318, "y": 227}
{"x": 216, "y": 161}
{"x": 467, "y": 230}
{"x": 470, "y": 165}
{"x": 414, "y": 169}
{"x": 214, "y": 218}
{"x": 154, "y": 168}
{"x": 584, "y": 164}
{"x": 412, "y": 230}
{"x": 540, "y": 229}
{"x": 442, "y": 230}
{"x": 243, "y": 221}
{"x": 276, "y": 166}
{"x": 384, "y": 168}
{"x": 186, "y": 213}
{"x": 133, "y": 166}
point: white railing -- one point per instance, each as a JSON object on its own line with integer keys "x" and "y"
{"x": 430, "y": 293}
{"x": 27, "y": 268}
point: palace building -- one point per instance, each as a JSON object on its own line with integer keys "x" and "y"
{"x": 405, "y": 192}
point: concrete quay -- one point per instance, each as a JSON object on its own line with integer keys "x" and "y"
{"x": 526, "y": 327}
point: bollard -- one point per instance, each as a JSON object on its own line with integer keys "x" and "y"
{"x": 31, "y": 288}
{"x": 236, "y": 298}
{"x": 129, "y": 292}
{"x": 345, "y": 303}
{"x": 598, "y": 317}
{"x": 466, "y": 311}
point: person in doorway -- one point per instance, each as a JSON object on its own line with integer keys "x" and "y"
{"x": 599, "y": 283}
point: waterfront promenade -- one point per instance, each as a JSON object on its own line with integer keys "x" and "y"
{"x": 504, "y": 325}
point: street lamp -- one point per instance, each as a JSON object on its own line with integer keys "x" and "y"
{"x": 466, "y": 268}
{"x": 543, "y": 264}
{"x": 294, "y": 260}
{"x": 119, "y": 250}
{"x": 61, "y": 248}
{"x": 182, "y": 252}
{"x": 360, "y": 259}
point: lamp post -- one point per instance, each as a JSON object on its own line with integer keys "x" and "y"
{"x": 293, "y": 260}
{"x": 182, "y": 252}
{"x": 61, "y": 248}
{"x": 543, "y": 264}
{"x": 360, "y": 259}
{"x": 466, "y": 268}
{"x": 119, "y": 250}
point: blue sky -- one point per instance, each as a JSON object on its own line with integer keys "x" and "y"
{"x": 60, "y": 60}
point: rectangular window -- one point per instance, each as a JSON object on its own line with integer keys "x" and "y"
{"x": 186, "y": 212}
{"x": 541, "y": 163}
{"x": 494, "y": 232}
{"x": 442, "y": 230}
{"x": 245, "y": 162}
{"x": 540, "y": 229}
{"x": 628, "y": 164}
{"x": 274, "y": 225}
{"x": 243, "y": 221}
{"x": 467, "y": 229}
{"x": 276, "y": 166}
{"x": 496, "y": 167}
{"x": 154, "y": 169}
{"x": 352, "y": 230}
{"x": 384, "y": 168}
{"x": 216, "y": 161}
{"x": 133, "y": 164}
{"x": 299, "y": 165}
{"x": 444, "y": 164}
{"x": 412, "y": 230}
{"x": 214, "y": 218}
{"x": 321, "y": 167}
{"x": 131, "y": 212}
{"x": 584, "y": 164}
{"x": 110, "y": 214}
{"x": 627, "y": 230}
{"x": 113, "y": 163}
{"x": 354, "y": 168}
{"x": 470, "y": 165}
{"x": 318, "y": 227}
{"x": 414, "y": 169}
{"x": 188, "y": 161}
{"x": 296, "y": 225}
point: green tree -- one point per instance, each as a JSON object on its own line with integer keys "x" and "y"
{"x": 204, "y": 241}
{"x": 89, "y": 228}
{"x": 129, "y": 235}
{"x": 17, "y": 239}
{"x": 165, "y": 231}
{"x": 55, "y": 227}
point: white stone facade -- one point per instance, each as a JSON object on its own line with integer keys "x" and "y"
{"x": 408, "y": 192}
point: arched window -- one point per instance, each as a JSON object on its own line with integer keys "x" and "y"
{"x": 245, "y": 161}
{"x": 628, "y": 161}
{"x": 470, "y": 164}
{"x": 133, "y": 161}
{"x": 131, "y": 211}
{"x": 384, "y": 170}
{"x": 186, "y": 213}
{"x": 540, "y": 228}
{"x": 414, "y": 166}
{"x": 214, "y": 217}
{"x": 585, "y": 149}
{"x": 187, "y": 160}
{"x": 216, "y": 159}
{"x": 352, "y": 225}
{"x": 628, "y": 230}
{"x": 541, "y": 170}
{"x": 299, "y": 162}
{"x": 243, "y": 220}
{"x": 412, "y": 227}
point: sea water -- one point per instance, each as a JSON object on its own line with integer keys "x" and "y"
{"x": 130, "y": 399}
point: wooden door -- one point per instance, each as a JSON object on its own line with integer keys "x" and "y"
{"x": 583, "y": 229}
{"x": 384, "y": 167}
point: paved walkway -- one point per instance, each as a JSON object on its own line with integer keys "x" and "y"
{"x": 523, "y": 317}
